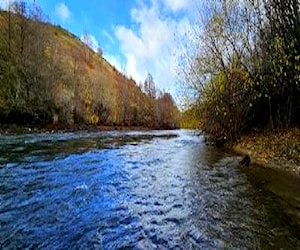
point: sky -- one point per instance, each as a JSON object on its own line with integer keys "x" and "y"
{"x": 137, "y": 36}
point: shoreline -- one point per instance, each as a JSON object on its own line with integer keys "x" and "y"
{"x": 277, "y": 163}
{"x": 276, "y": 150}
{"x": 13, "y": 129}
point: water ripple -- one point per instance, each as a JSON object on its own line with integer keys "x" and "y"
{"x": 131, "y": 190}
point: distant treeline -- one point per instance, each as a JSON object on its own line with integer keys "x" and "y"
{"x": 47, "y": 75}
{"x": 243, "y": 62}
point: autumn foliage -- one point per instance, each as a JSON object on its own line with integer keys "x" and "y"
{"x": 48, "y": 75}
{"x": 243, "y": 64}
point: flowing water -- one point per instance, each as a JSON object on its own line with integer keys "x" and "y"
{"x": 140, "y": 190}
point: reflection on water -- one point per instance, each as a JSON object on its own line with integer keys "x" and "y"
{"x": 144, "y": 190}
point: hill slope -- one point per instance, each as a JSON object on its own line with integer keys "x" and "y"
{"x": 48, "y": 75}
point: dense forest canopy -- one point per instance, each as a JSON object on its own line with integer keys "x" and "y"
{"x": 243, "y": 63}
{"x": 48, "y": 75}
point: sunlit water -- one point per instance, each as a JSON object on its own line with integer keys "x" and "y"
{"x": 140, "y": 190}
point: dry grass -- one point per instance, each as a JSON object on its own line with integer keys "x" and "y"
{"x": 265, "y": 146}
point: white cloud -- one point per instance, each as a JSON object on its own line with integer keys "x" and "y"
{"x": 108, "y": 36}
{"x": 115, "y": 61}
{"x": 176, "y": 5}
{"x": 63, "y": 11}
{"x": 94, "y": 43}
{"x": 4, "y": 4}
{"x": 90, "y": 41}
{"x": 152, "y": 47}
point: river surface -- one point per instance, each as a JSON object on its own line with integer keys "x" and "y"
{"x": 140, "y": 190}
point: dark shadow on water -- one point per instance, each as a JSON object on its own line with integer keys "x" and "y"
{"x": 47, "y": 146}
{"x": 277, "y": 198}
{"x": 255, "y": 207}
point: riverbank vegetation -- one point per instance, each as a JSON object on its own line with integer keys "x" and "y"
{"x": 267, "y": 146}
{"x": 190, "y": 118}
{"x": 49, "y": 76}
{"x": 243, "y": 64}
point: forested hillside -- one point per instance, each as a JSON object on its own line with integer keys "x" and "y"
{"x": 243, "y": 63}
{"x": 49, "y": 76}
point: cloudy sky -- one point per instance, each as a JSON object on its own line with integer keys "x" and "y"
{"x": 136, "y": 36}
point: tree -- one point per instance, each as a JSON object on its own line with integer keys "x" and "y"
{"x": 168, "y": 112}
{"x": 244, "y": 65}
{"x": 100, "y": 51}
{"x": 149, "y": 86}
{"x": 150, "y": 104}
{"x": 279, "y": 71}
{"x": 47, "y": 75}
{"x": 24, "y": 43}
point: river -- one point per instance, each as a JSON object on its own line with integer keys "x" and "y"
{"x": 140, "y": 190}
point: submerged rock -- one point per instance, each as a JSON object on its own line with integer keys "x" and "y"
{"x": 245, "y": 161}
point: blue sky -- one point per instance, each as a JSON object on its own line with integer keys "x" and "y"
{"x": 136, "y": 36}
